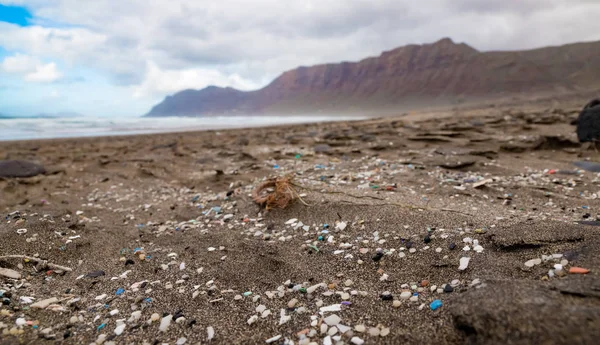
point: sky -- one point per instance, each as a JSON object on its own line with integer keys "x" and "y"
{"x": 120, "y": 57}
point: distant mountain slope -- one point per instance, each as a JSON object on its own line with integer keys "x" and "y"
{"x": 442, "y": 72}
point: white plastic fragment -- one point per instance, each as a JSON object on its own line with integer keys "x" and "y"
{"x": 44, "y": 303}
{"x": 273, "y": 339}
{"x": 329, "y": 308}
{"x": 357, "y": 341}
{"x": 8, "y": 273}
{"x": 119, "y": 329}
{"x": 165, "y": 323}
{"x": 332, "y": 320}
{"x": 464, "y": 263}
{"x": 283, "y": 318}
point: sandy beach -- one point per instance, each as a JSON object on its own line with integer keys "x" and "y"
{"x": 455, "y": 227}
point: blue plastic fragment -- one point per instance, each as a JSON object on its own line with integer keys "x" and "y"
{"x": 120, "y": 291}
{"x": 101, "y": 326}
{"x": 435, "y": 304}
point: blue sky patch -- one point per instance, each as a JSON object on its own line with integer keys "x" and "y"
{"x": 15, "y": 15}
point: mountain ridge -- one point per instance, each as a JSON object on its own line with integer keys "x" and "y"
{"x": 439, "y": 72}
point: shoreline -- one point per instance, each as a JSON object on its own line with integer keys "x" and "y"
{"x": 175, "y": 130}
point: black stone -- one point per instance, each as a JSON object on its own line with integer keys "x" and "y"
{"x": 589, "y": 166}
{"x": 129, "y": 262}
{"x": 20, "y": 168}
{"x": 452, "y": 246}
{"x": 178, "y": 314}
{"x": 386, "y": 296}
{"x": 427, "y": 239}
{"x": 588, "y": 122}
{"x": 448, "y": 288}
{"x": 378, "y": 256}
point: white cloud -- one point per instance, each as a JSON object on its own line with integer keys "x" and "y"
{"x": 247, "y": 43}
{"x": 32, "y": 69}
{"x": 158, "y": 82}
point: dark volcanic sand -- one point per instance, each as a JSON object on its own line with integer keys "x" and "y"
{"x": 154, "y": 192}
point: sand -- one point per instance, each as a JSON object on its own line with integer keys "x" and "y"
{"x": 409, "y": 187}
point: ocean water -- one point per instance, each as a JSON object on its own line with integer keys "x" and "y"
{"x": 16, "y": 128}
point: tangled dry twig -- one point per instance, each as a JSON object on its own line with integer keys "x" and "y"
{"x": 276, "y": 193}
{"x": 279, "y": 192}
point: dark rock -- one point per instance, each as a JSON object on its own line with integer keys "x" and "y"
{"x": 178, "y": 314}
{"x": 386, "y": 296}
{"x": 452, "y": 246}
{"x": 378, "y": 256}
{"x": 527, "y": 312}
{"x": 20, "y": 168}
{"x": 589, "y": 222}
{"x": 589, "y": 166}
{"x": 427, "y": 239}
{"x": 588, "y": 122}
{"x": 448, "y": 288}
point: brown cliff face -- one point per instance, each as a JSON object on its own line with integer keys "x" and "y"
{"x": 442, "y": 72}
